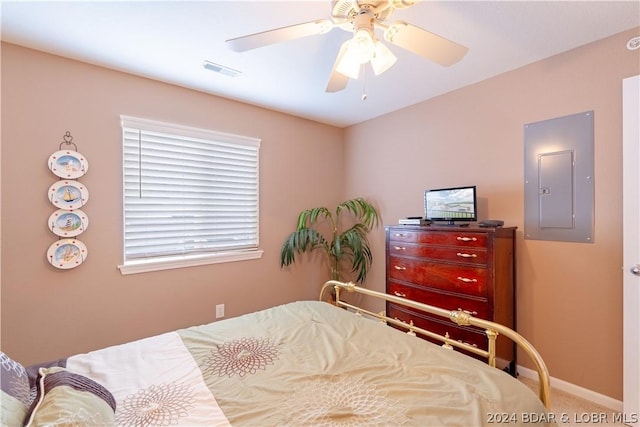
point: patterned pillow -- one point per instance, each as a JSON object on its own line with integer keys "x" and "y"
{"x": 66, "y": 398}
{"x": 14, "y": 391}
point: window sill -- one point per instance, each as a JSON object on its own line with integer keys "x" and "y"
{"x": 167, "y": 263}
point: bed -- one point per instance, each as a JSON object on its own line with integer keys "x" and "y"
{"x": 299, "y": 364}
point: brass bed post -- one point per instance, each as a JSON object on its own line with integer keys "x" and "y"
{"x": 492, "y": 335}
{"x": 460, "y": 317}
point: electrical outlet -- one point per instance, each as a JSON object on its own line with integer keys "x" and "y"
{"x": 219, "y": 311}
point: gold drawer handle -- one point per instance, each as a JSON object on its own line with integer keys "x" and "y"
{"x": 467, "y": 343}
{"x": 467, "y": 280}
{"x": 463, "y": 255}
{"x": 399, "y": 294}
{"x": 399, "y": 248}
{"x": 473, "y": 313}
{"x": 467, "y": 239}
{"x": 399, "y": 267}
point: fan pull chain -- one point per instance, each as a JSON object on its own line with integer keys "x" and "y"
{"x": 364, "y": 91}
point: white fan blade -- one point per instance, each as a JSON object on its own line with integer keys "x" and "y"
{"x": 253, "y": 41}
{"x": 338, "y": 81}
{"x": 424, "y": 43}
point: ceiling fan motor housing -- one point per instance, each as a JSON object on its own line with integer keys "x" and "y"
{"x": 345, "y": 12}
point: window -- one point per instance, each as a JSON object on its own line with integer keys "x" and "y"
{"x": 190, "y": 196}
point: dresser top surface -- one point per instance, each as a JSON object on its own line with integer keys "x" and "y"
{"x": 472, "y": 227}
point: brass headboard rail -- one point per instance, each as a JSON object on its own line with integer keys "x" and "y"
{"x": 459, "y": 317}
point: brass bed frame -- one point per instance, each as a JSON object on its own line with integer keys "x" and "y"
{"x": 459, "y": 317}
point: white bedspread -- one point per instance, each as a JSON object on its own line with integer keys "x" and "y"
{"x": 155, "y": 382}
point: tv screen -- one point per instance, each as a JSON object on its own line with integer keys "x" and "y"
{"x": 451, "y": 204}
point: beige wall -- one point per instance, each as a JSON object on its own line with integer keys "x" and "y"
{"x": 49, "y": 313}
{"x": 569, "y": 295}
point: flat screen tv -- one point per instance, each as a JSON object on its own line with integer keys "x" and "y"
{"x": 451, "y": 205}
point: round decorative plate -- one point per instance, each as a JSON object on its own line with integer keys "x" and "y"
{"x": 66, "y": 223}
{"x": 67, "y": 253}
{"x": 68, "y": 194}
{"x": 68, "y": 164}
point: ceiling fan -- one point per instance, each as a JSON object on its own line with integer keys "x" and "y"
{"x": 362, "y": 17}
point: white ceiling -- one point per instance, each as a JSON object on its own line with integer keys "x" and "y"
{"x": 169, "y": 40}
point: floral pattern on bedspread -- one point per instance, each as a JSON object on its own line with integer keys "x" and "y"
{"x": 157, "y": 405}
{"x": 241, "y": 356}
{"x": 310, "y": 363}
{"x": 343, "y": 401}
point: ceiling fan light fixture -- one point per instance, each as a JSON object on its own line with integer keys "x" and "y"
{"x": 360, "y": 49}
{"x": 349, "y": 65}
{"x": 378, "y": 54}
{"x": 382, "y": 59}
{"x": 361, "y": 46}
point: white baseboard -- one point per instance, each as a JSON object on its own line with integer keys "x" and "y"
{"x": 581, "y": 392}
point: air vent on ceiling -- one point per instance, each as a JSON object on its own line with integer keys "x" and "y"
{"x": 221, "y": 69}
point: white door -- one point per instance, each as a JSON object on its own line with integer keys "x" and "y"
{"x": 631, "y": 239}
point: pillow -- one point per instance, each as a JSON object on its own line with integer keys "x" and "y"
{"x": 14, "y": 391}
{"x": 66, "y": 398}
{"x": 33, "y": 371}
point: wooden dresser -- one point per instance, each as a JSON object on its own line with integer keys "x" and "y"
{"x": 468, "y": 268}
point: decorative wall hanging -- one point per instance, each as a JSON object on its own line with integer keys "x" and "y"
{"x": 68, "y": 164}
{"x": 68, "y": 195}
{"x": 67, "y": 253}
{"x": 66, "y": 223}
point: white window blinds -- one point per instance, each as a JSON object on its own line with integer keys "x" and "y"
{"x": 187, "y": 191}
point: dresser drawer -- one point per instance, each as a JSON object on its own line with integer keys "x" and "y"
{"x": 456, "y": 238}
{"x": 463, "y": 255}
{"x": 468, "y": 335}
{"x": 453, "y": 278}
{"x": 476, "y": 307}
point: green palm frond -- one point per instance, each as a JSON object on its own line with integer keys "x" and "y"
{"x": 349, "y": 247}
{"x": 310, "y": 216}
{"x": 362, "y": 210}
{"x": 300, "y": 241}
{"x": 355, "y": 239}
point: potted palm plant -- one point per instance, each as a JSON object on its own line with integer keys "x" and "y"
{"x": 344, "y": 241}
